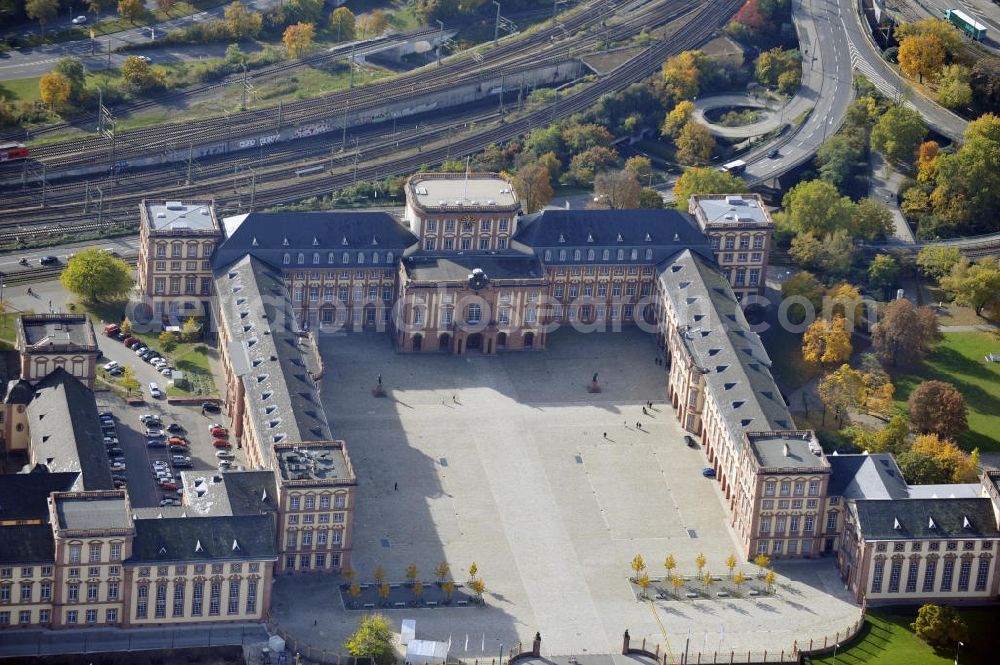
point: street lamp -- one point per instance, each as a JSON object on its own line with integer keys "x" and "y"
{"x": 496, "y": 25}
{"x": 957, "y": 649}
{"x": 835, "y": 647}
{"x": 440, "y": 39}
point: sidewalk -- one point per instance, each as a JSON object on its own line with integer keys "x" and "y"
{"x": 884, "y": 188}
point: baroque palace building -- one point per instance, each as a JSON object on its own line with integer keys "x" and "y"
{"x": 464, "y": 273}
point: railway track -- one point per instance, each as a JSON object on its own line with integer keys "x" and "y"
{"x": 379, "y": 161}
{"x": 545, "y": 45}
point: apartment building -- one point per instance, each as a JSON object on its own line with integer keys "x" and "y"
{"x": 46, "y": 342}
{"x": 740, "y": 231}
{"x": 176, "y": 243}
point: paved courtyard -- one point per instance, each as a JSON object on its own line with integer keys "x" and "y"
{"x": 503, "y": 461}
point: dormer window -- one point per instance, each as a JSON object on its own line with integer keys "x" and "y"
{"x": 284, "y": 242}
{"x": 590, "y": 238}
{"x": 562, "y": 238}
{"x": 344, "y": 241}
{"x": 619, "y": 238}
{"x": 315, "y": 241}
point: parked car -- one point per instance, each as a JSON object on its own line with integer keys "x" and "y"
{"x": 708, "y": 472}
{"x": 219, "y": 431}
{"x": 154, "y": 390}
{"x": 110, "y": 366}
{"x": 80, "y": 20}
{"x": 168, "y": 486}
{"x": 115, "y": 451}
{"x": 158, "y": 362}
{"x": 167, "y": 371}
{"x": 224, "y": 465}
{"x": 129, "y": 341}
{"x": 175, "y": 428}
{"x": 155, "y": 433}
{"x": 117, "y": 371}
{"x": 169, "y": 502}
{"x": 118, "y": 466}
{"x": 139, "y": 348}
{"x": 222, "y": 443}
{"x": 111, "y": 329}
{"x": 211, "y": 407}
{"x": 177, "y": 441}
{"x": 156, "y": 443}
{"x": 178, "y": 449}
{"x": 225, "y": 454}
{"x": 183, "y": 465}
{"x": 146, "y": 417}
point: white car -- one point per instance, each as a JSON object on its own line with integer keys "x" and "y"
{"x": 159, "y": 363}
{"x": 110, "y": 366}
{"x": 145, "y": 58}
{"x": 166, "y": 371}
{"x": 225, "y": 454}
{"x": 79, "y": 20}
{"x": 154, "y": 390}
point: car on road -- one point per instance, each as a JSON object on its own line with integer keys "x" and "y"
{"x": 49, "y": 260}
{"x": 111, "y": 365}
{"x": 169, "y": 502}
{"x": 222, "y": 443}
{"x": 80, "y": 20}
{"x": 219, "y": 431}
{"x": 156, "y": 443}
{"x": 146, "y": 418}
{"x": 154, "y": 390}
{"x": 689, "y": 440}
{"x": 708, "y": 472}
{"x": 774, "y": 154}
{"x": 105, "y": 414}
{"x": 211, "y": 407}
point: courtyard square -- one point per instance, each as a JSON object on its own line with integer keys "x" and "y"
{"x": 503, "y": 461}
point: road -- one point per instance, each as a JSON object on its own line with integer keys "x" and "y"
{"x": 984, "y": 11}
{"x": 126, "y": 246}
{"x": 31, "y": 62}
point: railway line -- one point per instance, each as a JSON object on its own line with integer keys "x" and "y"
{"x": 379, "y": 160}
{"x": 544, "y": 45}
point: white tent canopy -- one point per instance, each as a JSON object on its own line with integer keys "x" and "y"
{"x": 426, "y": 652}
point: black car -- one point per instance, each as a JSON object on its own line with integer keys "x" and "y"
{"x": 689, "y": 441}
{"x": 49, "y": 260}
{"x": 174, "y": 428}
{"x": 774, "y": 154}
{"x": 211, "y": 407}
{"x": 120, "y": 336}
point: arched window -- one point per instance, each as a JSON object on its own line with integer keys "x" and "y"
{"x": 301, "y": 258}
{"x": 329, "y": 257}
{"x": 389, "y": 257}
{"x": 649, "y": 254}
{"x": 576, "y": 255}
{"x": 590, "y": 255}
{"x": 606, "y": 255}
{"x": 548, "y": 255}
{"x": 621, "y": 254}
{"x": 361, "y": 257}
{"x": 375, "y": 257}
{"x": 634, "y": 254}
{"x": 315, "y": 257}
{"x": 562, "y": 254}
{"x": 287, "y": 258}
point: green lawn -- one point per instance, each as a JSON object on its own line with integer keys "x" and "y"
{"x": 790, "y": 371}
{"x": 958, "y": 360}
{"x": 20, "y": 90}
{"x": 888, "y": 640}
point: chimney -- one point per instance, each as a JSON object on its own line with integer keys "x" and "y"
{"x": 785, "y": 450}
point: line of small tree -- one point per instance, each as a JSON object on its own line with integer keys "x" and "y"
{"x": 442, "y": 574}
{"x": 642, "y": 579}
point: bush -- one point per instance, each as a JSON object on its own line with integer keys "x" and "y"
{"x": 939, "y": 625}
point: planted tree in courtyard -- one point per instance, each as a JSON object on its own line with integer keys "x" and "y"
{"x": 411, "y": 573}
{"x": 669, "y": 564}
{"x": 348, "y": 573}
{"x": 638, "y": 565}
{"x": 731, "y": 562}
{"x": 418, "y": 589}
{"x": 354, "y": 590}
{"x": 939, "y": 625}
{"x": 479, "y": 586}
{"x": 129, "y": 382}
{"x": 707, "y": 580}
{"x": 937, "y": 407}
{"x": 769, "y": 577}
{"x": 383, "y": 591}
{"x": 372, "y": 639}
{"x": 126, "y": 327}
{"x": 96, "y": 276}
{"x": 473, "y": 569}
{"x": 700, "y": 561}
{"x": 449, "y": 588}
{"x": 677, "y": 582}
{"x": 762, "y": 561}
{"x": 379, "y": 574}
{"x": 167, "y": 340}
{"x": 191, "y": 330}
{"x": 739, "y": 579}
{"x": 442, "y": 571}
{"x": 643, "y": 582}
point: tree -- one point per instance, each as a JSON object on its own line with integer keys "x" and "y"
{"x": 954, "y": 88}
{"x": 893, "y": 437}
{"x": 479, "y": 586}
{"x": 731, "y": 564}
{"x": 650, "y": 198}
{"x": 883, "y": 272}
{"x": 411, "y": 573}
{"x": 342, "y": 21}
{"x": 129, "y": 382}
{"x": 841, "y": 162}
{"x": 165, "y": 5}
{"x": 379, "y": 574}
{"x": 131, "y": 10}
{"x": 372, "y": 639}
{"x": 827, "y": 341}
{"x": 769, "y": 578}
{"x": 373, "y": 24}
{"x": 167, "y": 340}
{"x": 639, "y": 166}
{"x": 927, "y": 155}
{"x": 808, "y": 251}
{"x": 55, "y": 90}
{"x": 681, "y": 75}
{"x": 878, "y": 395}
{"x": 96, "y": 276}
{"x": 898, "y": 133}
{"x": 694, "y": 143}
{"x": 191, "y": 330}
{"x": 441, "y": 572}
{"x": 936, "y": 407}
{"x": 383, "y": 591}
{"x": 948, "y": 34}
{"x": 616, "y": 190}
{"x": 739, "y": 579}
{"x": 937, "y": 260}
{"x": 42, "y": 11}
{"x": 473, "y": 569}
{"x": 309, "y": 11}
{"x": 700, "y": 561}
{"x": 904, "y": 333}
{"x": 138, "y": 75}
{"x": 418, "y": 589}
{"x": 704, "y": 181}
{"x": 354, "y": 590}
{"x": 921, "y": 469}
{"x": 872, "y": 220}
{"x": 585, "y": 165}
{"x": 126, "y": 327}
{"x": 841, "y": 390}
{"x": 677, "y": 582}
{"x": 833, "y": 255}
{"x": 920, "y": 56}
{"x": 533, "y": 185}
{"x": 762, "y": 561}
{"x": 298, "y": 38}
{"x": 772, "y": 64}
{"x": 97, "y": 6}
{"x": 348, "y": 573}
{"x": 643, "y": 582}
{"x": 975, "y": 285}
{"x": 959, "y": 466}
{"x": 803, "y": 285}
{"x": 815, "y": 205}
{"x": 73, "y": 70}
{"x": 241, "y": 22}
{"x": 940, "y": 625}
{"x": 552, "y": 164}
{"x": 638, "y": 565}
{"x": 677, "y": 118}
{"x": 669, "y": 563}
{"x": 581, "y": 137}
{"x": 707, "y": 579}
{"x": 449, "y": 588}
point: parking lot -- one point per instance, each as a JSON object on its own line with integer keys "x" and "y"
{"x": 144, "y": 490}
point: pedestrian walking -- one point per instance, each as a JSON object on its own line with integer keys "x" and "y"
{"x": 454, "y": 398}
{"x": 644, "y": 411}
{"x": 395, "y": 486}
{"x": 605, "y": 435}
{"x": 638, "y": 425}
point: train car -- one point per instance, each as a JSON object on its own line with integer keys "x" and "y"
{"x": 966, "y": 24}
{"x": 12, "y": 151}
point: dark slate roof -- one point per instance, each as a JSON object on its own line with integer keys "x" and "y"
{"x": 24, "y": 496}
{"x": 65, "y": 430}
{"x": 251, "y": 492}
{"x": 269, "y": 355}
{"x": 31, "y": 543}
{"x": 268, "y": 236}
{"x": 456, "y": 267}
{"x": 874, "y": 476}
{"x": 204, "y": 539}
{"x": 665, "y": 229}
{"x": 19, "y": 391}
{"x": 926, "y": 518}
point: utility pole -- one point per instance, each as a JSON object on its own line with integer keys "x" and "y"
{"x": 440, "y": 40}
{"x": 86, "y": 200}
{"x": 187, "y": 181}
{"x": 280, "y": 109}
{"x": 356, "y": 155}
{"x": 109, "y": 53}
{"x": 44, "y": 184}
{"x": 245, "y": 84}
{"x": 501, "y": 95}
{"x": 343, "y": 135}
{"x": 100, "y": 205}
{"x": 351, "y": 84}
{"x": 496, "y": 24}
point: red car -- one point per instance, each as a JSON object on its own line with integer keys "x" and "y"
{"x": 220, "y": 431}
{"x": 128, "y": 341}
{"x": 168, "y": 486}
{"x": 177, "y": 441}
{"x": 111, "y": 329}
{"x": 222, "y": 443}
